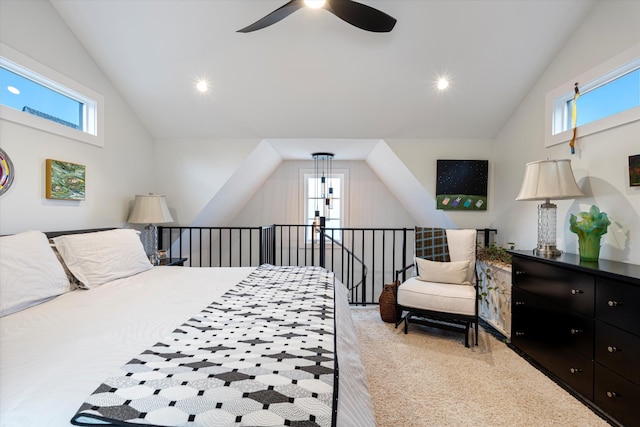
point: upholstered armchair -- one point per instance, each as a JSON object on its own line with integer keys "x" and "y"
{"x": 443, "y": 291}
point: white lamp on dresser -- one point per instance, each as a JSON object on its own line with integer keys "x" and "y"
{"x": 547, "y": 180}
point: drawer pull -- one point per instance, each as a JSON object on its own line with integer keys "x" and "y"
{"x": 613, "y": 303}
{"x": 612, "y": 349}
{"x": 519, "y": 302}
{"x": 519, "y": 334}
{"x": 575, "y": 370}
{"x": 576, "y": 291}
{"x": 519, "y": 272}
{"x": 612, "y": 394}
{"x": 576, "y": 331}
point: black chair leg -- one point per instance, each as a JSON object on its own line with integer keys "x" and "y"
{"x": 399, "y": 320}
{"x": 402, "y": 318}
{"x": 466, "y": 336}
{"x": 477, "y": 332}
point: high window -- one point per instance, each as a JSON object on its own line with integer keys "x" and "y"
{"x": 24, "y": 94}
{"x": 36, "y": 96}
{"x": 613, "y": 97}
{"x": 609, "y": 96}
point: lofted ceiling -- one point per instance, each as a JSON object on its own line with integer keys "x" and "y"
{"x": 314, "y": 76}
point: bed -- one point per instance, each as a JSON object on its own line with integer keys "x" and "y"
{"x": 145, "y": 345}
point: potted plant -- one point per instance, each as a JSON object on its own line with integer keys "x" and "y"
{"x": 497, "y": 254}
{"x": 493, "y": 265}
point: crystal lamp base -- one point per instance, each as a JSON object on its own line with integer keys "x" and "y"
{"x": 547, "y": 230}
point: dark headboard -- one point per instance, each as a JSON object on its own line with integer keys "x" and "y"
{"x": 51, "y": 234}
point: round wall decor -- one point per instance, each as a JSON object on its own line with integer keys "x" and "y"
{"x": 7, "y": 172}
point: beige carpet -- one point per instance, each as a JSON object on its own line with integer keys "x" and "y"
{"x": 429, "y": 378}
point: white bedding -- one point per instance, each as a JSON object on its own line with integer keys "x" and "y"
{"x": 54, "y": 355}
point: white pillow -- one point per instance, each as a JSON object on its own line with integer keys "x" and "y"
{"x": 454, "y": 272}
{"x": 103, "y": 256}
{"x": 29, "y": 272}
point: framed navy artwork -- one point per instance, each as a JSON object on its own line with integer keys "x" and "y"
{"x": 462, "y": 185}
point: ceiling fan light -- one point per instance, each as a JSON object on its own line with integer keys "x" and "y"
{"x": 202, "y": 86}
{"x": 314, "y": 4}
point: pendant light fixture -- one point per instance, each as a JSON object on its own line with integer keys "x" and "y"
{"x": 323, "y": 163}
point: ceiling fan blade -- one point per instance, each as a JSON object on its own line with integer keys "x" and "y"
{"x": 275, "y": 16}
{"x": 361, "y": 15}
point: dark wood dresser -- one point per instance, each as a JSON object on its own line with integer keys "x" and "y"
{"x": 579, "y": 323}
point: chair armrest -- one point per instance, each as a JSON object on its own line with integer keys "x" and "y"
{"x": 402, "y": 270}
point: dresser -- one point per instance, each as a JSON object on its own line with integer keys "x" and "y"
{"x": 579, "y": 322}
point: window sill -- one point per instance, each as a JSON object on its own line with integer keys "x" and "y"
{"x": 622, "y": 118}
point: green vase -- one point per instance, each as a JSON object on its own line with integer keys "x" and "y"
{"x": 589, "y": 246}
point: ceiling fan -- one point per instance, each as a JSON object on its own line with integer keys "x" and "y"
{"x": 356, "y": 14}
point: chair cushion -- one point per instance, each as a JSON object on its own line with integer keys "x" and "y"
{"x": 443, "y": 272}
{"x": 415, "y": 293}
{"x": 462, "y": 247}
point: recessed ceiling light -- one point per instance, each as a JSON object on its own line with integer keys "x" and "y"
{"x": 443, "y": 83}
{"x": 314, "y": 4}
{"x": 14, "y": 90}
{"x": 202, "y": 86}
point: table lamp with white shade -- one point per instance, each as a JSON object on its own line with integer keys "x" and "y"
{"x": 548, "y": 180}
{"x": 150, "y": 209}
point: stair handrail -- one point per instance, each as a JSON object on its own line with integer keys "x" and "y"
{"x": 365, "y": 269}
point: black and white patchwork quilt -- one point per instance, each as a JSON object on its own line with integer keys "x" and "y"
{"x": 262, "y": 355}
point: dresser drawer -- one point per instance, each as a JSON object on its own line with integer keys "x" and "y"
{"x": 571, "y": 289}
{"x": 576, "y": 371}
{"x": 617, "y": 396}
{"x": 618, "y": 350}
{"x": 544, "y": 328}
{"x": 538, "y": 341}
{"x": 617, "y": 303}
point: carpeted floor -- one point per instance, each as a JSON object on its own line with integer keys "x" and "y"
{"x": 429, "y": 378}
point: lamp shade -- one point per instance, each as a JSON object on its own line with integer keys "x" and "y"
{"x": 549, "y": 179}
{"x": 150, "y": 209}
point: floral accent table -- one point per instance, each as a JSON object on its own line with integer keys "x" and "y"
{"x": 494, "y": 281}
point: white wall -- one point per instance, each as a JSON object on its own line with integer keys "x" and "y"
{"x": 420, "y": 156}
{"x": 371, "y": 203}
{"x": 200, "y": 169}
{"x": 114, "y": 174}
{"x": 280, "y": 199}
{"x": 191, "y": 172}
{"x": 601, "y": 161}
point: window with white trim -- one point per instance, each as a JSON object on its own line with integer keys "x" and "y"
{"x": 609, "y": 97}
{"x": 35, "y": 96}
{"x": 316, "y": 195}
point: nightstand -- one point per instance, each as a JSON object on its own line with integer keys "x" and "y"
{"x": 173, "y": 261}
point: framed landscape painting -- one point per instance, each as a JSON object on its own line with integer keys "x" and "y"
{"x": 65, "y": 181}
{"x": 462, "y": 185}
